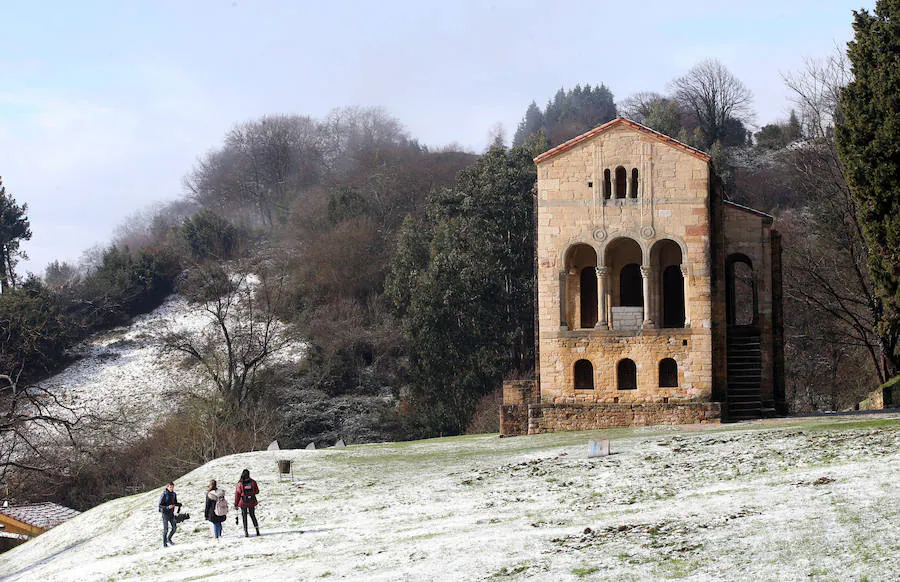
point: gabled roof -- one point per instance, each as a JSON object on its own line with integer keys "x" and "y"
{"x": 749, "y": 210}
{"x": 615, "y": 123}
{"x": 40, "y": 515}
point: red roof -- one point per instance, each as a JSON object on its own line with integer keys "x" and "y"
{"x": 614, "y": 123}
{"x": 41, "y": 515}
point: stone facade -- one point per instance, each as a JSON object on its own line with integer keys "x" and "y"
{"x": 637, "y": 256}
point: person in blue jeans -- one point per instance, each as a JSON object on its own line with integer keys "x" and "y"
{"x": 215, "y": 497}
{"x": 167, "y": 504}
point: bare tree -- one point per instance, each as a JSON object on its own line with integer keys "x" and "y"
{"x": 27, "y": 415}
{"x": 243, "y": 333}
{"x": 713, "y": 96}
{"x": 831, "y": 257}
{"x": 816, "y": 92}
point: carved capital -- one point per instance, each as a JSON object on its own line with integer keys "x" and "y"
{"x": 646, "y": 271}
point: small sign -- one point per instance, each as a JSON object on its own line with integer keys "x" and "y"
{"x": 598, "y": 448}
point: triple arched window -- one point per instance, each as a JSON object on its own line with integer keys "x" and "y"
{"x": 619, "y": 183}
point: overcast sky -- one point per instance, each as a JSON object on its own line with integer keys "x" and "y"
{"x": 105, "y": 106}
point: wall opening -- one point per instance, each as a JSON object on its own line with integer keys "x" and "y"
{"x": 631, "y": 286}
{"x": 584, "y": 375}
{"x": 621, "y": 182}
{"x": 578, "y": 291}
{"x": 626, "y": 373}
{"x": 607, "y": 185}
{"x": 668, "y": 373}
{"x": 673, "y": 296}
{"x": 740, "y": 291}
{"x": 667, "y": 287}
{"x": 588, "y": 297}
{"x": 634, "y": 182}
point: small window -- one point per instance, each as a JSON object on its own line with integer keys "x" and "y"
{"x": 634, "y": 182}
{"x": 607, "y": 185}
{"x": 584, "y": 375}
{"x": 621, "y": 182}
{"x": 627, "y": 375}
{"x": 668, "y": 373}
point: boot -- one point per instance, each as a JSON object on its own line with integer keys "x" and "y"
{"x": 246, "y": 535}
{"x": 257, "y": 532}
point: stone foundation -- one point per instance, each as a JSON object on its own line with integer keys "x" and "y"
{"x": 557, "y": 417}
{"x": 518, "y": 395}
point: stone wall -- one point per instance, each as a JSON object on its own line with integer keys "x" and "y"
{"x": 518, "y": 395}
{"x": 556, "y": 417}
{"x": 669, "y": 203}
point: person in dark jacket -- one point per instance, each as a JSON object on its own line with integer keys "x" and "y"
{"x": 167, "y": 504}
{"x": 212, "y": 497}
{"x": 245, "y": 498}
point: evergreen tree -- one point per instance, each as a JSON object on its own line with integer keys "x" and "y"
{"x": 466, "y": 297}
{"x": 567, "y": 115}
{"x": 868, "y": 146}
{"x": 14, "y": 228}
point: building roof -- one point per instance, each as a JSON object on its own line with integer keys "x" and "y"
{"x": 41, "y": 515}
{"x": 615, "y": 123}
{"x": 747, "y": 209}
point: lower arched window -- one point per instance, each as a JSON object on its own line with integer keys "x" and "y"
{"x": 626, "y": 373}
{"x": 584, "y": 375}
{"x": 668, "y": 373}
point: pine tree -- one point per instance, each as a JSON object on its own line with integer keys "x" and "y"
{"x": 14, "y": 228}
{"x": 869, "y": 148}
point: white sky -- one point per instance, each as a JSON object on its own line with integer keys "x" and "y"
{"x": 105, "y": 106}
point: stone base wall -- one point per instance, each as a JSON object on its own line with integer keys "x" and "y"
{"x": 557, "y": 417}
{"x": 518, "y": 395}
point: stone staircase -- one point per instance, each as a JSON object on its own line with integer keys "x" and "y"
{"x": 744, "y": 374}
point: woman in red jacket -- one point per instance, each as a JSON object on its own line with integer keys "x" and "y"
{"x": 245, "y": 498}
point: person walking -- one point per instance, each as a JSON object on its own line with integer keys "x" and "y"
{"x": 167, "y": 504}
{"x": 245, "y": 499}
{"x": 216, "y": 509}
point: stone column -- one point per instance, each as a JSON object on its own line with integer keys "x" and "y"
{"x": 687, "y": 303}
{"x": 646, "y": 275}
{"x": 601, "y": 298}
{"x": 629, "y": 186}
{"x": 563, "y": 301}
{"x": 571, "y": 301}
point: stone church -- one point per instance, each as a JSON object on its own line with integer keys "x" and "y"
{"x": 658, "y": 301}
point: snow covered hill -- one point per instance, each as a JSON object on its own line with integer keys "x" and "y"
{"x": 123, "y": 373}
{"x": 811, "y": 498}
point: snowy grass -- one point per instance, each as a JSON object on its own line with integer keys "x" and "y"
{"x": 812, "y": 499}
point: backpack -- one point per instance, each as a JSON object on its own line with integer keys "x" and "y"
{"x": 221, "y": 506}
{"x": 247, "y": 491}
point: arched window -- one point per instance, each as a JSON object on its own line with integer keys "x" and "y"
{"x": 631, "y": 287}
{"x": 626, "y": 373}
{"x": 584, "y": 375}
{"x": 588, "y": 297}
{"x": 607, "y": 185}
{"x": 668, "y": 373}
{"x": 634, "y": 182}
{"x": 740, "y": 290}
{"x": 621, "y": 182}
{"x": 673, "y": 297}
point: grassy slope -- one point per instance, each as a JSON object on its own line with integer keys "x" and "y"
{"x": 805, "y": 498}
